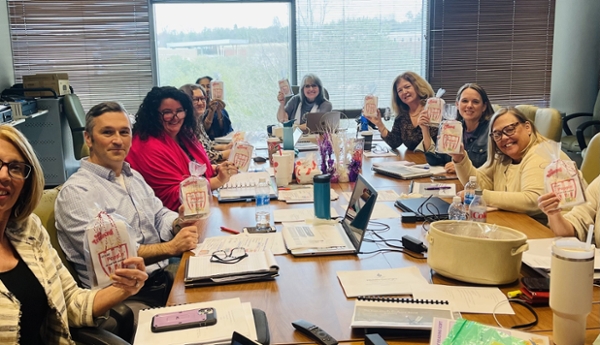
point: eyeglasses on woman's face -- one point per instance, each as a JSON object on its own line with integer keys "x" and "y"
{"x": 17, "y": 170}
{"x": 198, "y": 100}
{"x": 168, "y": 115}
{"x": 311, "y": 86}
{"x": 508, "y": 130}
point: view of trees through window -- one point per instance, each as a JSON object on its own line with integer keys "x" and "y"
{"x": 354, "y": 46}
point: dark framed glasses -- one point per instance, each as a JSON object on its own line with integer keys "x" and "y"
{"x": 17, "y": 170}
{"x": 234, "y": 256}
{"x": 168, "y": 115}
{"x": 507, "y": 130}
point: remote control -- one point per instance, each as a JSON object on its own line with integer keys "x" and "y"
{"x": 314, "y": 332}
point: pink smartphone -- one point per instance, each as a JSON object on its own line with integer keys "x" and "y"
{"x": 199, "y": 317}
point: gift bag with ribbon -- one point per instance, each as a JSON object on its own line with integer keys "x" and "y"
{"x": 306, "y": 168}
{"x": 450, "y": 132}
{"x": 561, "y": 176}
{"x": 435, "y": 108}
{"x": 107, "y": 244}
{"x": 194, "y": 192}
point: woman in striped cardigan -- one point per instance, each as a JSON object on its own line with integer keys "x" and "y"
{"x": 39, "y": 299}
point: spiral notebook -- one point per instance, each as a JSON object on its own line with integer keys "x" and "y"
{"x": 399, "y": 313}
{"x": 242, "y": 187}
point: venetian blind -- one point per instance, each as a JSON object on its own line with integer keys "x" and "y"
{"x": 503, "y": 45}
{"x": 354, "y": 45}
{"x": 104, "y": 46}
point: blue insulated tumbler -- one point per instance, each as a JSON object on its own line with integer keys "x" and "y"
{"x": 322, "y": 196}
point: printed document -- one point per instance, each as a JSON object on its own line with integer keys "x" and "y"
{"x": 393, "y": 281}
{"x": 481, "y": 300}
{"x": 251, "y": 242}
{"x": 298, "y": 214}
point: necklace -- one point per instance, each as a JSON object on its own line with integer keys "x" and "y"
{"x": 417, "y": 112}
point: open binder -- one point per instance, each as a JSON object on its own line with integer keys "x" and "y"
{"x": 200, "y": 271}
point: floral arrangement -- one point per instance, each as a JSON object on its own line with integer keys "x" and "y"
{"x": 341, "y": 157}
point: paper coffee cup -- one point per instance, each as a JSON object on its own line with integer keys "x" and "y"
{"x": 292, "y": 154}
{"x": 278, "y": 132}
{"x": 273, "y": 145}
{"x": 281, "y": 165}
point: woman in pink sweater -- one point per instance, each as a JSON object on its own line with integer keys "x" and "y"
{"x": 165, "y": 141}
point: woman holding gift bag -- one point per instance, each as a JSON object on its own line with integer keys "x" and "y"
{"x": 474, "y": 112}
{"x": 165, "y": 141}
{"x": 512, "y": 178}
{"x": 216, "y": 152}
{"x": 411, "y": 126}
{"x": 39, "y": 299}
{"x": 311, "y": 99}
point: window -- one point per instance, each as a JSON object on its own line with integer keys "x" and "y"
{"x": 504, "y": 45}
{"x": 246, "y": 45}
{"x": 354, "y": 46}
{"x": 104, "y": 46}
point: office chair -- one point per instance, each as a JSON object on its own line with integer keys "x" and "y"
{"x": 590, "y": 167}
{"x": 547, "y": 120}
{"x": 110, "y": 331}
{"x": 579, "y": 141}
{"x": 76, "y": 118}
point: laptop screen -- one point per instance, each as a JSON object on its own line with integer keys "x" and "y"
{"x": 359, "y": 210}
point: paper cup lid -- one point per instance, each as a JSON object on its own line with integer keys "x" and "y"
{"x": 366, "y": 133}
{"x": 572, "y": 249}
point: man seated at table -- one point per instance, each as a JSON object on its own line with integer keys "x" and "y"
{"x": 105, "y": 182}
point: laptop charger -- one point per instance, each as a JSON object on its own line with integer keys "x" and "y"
{"x": 409, "y": 217}
{"x": 412, "y": 244}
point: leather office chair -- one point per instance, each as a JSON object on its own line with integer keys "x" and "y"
{"x": 110, "y": 331}
{"x": 590, "y": 167}
{"x": 578, "y": 141}
{"x": 76, "y": 118}
{"x": 528, "y": 110}
{"x": 547, "y": 120}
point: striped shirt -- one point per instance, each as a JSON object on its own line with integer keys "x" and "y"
{"x": 94, "y": 188}
{"x": 69, "y": 305}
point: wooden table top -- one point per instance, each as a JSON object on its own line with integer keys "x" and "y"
{"x": 308, "y": 288}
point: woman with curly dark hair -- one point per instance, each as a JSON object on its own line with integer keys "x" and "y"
{"x": 164, "y": 143}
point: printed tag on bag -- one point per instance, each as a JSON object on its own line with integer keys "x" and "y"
{"x": 562, "y": 178}
{"x": 449, "y": 137}
{"x": 241, "y": 154}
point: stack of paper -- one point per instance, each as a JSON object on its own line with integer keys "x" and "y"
{"x": 301, "y": 195}
{"x": 298, "y": 214}
{"x": 232, "y": 315}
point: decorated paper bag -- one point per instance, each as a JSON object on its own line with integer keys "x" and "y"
{"x": 450, "y": 132}
{"x": 561, "y": 176}
{"x": 241, "y": 154}
{"x": 370, "y": 105}
{"x": 435, "y": 108}
{"x": 306, "y": 168}
{"x": 107, "y": 244}
{"x": 238, "y": 136}
{"x": 285, "y": 88}
{"x": 217, "y": 90}
{"x": 194, "y": 193}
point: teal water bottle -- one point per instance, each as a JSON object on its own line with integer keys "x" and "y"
{"x": 322, "y": 196}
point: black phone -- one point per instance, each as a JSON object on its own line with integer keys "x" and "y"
{"x": 199, "y": 317}
{"x": 536, "y": 284}
{"x": 240, "y": 339}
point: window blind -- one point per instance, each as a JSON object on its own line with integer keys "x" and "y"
{"x": 357, "y": 45}
{"x": 104, "y": 46}
{"x": 503, "y": 45}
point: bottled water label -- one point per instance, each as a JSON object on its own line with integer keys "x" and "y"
{"x": 469, "y": 197}
{"x": 262, "y": 200}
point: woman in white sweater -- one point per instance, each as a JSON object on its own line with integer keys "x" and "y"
{"x": 512, "y": 178}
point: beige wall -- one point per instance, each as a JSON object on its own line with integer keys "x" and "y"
{"x": 7, "y": 74}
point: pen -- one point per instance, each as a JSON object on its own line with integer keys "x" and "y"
{"x": 437, "y": 188}
{"x": 426, "y": 167}
{"x": 229, "y": 230}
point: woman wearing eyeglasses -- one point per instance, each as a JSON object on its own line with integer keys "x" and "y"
{"x": 512, "y": 178}
{"x": 165, "y": 141}
{"x": 311, "y": 99}
{"x": 216, "y": 152}
{"x": 474, "y": 112}
{"x": 39, "y": 299}
{"x": 411, "y": 126}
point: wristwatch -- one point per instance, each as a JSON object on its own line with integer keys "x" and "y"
{"x": 176, "y": 225}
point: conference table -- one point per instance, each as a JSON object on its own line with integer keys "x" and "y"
{"x": 308, "y": 288}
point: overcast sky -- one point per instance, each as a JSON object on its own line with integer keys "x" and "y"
{"x": 194, "y": 17}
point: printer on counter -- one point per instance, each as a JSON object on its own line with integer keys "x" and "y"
{"x": 23, "y": 107}
{"x": 5, "y": 114}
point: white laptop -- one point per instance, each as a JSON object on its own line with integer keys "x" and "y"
{"x": 345, "y": 237}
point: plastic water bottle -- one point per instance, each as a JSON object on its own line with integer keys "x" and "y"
{"x": 478, "y": 208}
{"x": 457, "y": 210}
{"x": 263, "y": 212}
{"x": 387, "y": 114}
{"x": 470, "y": 188}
